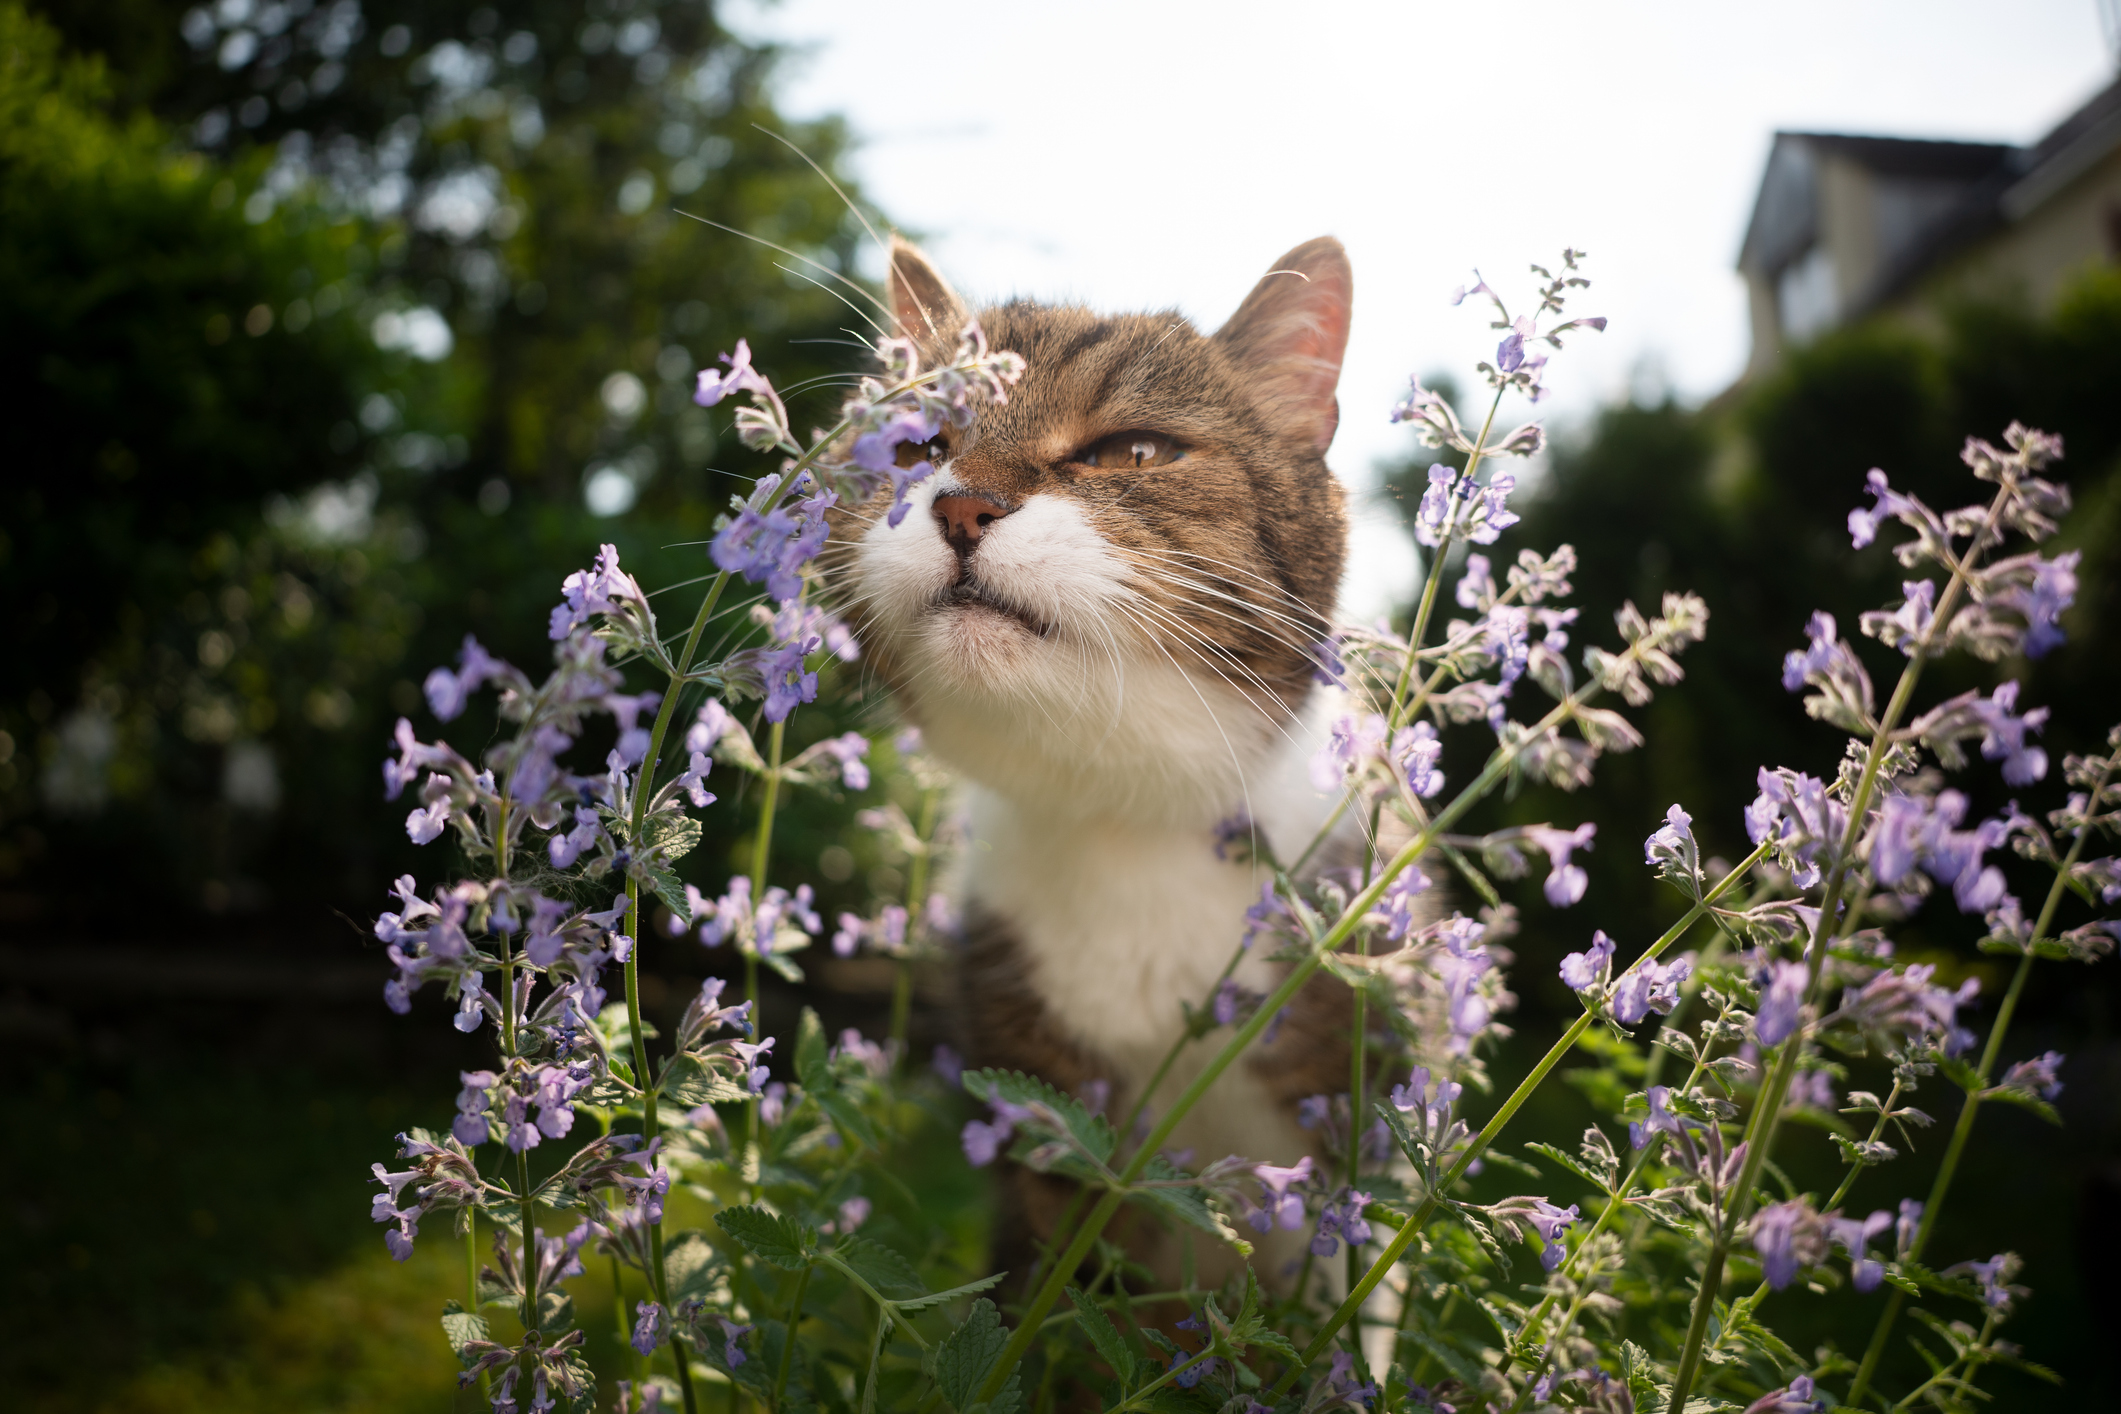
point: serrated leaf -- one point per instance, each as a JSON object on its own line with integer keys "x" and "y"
{"x": 2025, "y": 1100}
{"x": 1105, "y": 1337}
{"x": 691, "y": 1082}
{"x": 672, "y": 836}
{"x": 1189, "y": 1205}
{"x": 881, "y": 1267}
{"x": 461, "y": 1328}
{"x": 692, "y": 1267}
{"x": 1961, "y": 1074}
{"x": 811, "y": 1064}
{"x": 671, "y": 890}
{"x": 970, "y": 1288}
{"x": 770, "y": 1236}
{"x": 967, "y": 1355}
{"x": 1092, "y": 1131}
{"x": 1569, "y": 1162}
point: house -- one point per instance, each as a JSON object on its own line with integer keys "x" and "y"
{"x": 1848, "y": 227}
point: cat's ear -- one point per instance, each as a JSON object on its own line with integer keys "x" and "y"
{"x": 921, "y": 300}
{"x": 1288, "y": 337}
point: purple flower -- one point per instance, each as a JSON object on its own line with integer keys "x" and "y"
{"x": 1812, "y": 1089}
{"x": 424, "y": 826}
{"x": 470, "y": 1124}
{"x": 2036, "y": 1076}
{"x": 602, "y": 589}
{"x": 983, "y": 1141}
{"x": 732, "y": 1353}
{"x": 948, "y": 1064}
{"x": 1566, "y": 883}
{"x": 741, "y": 377}
{"x": 1673, "y": 844}
{"x": 1661, "y": 1119}
{"x": 1863, "y": 524}
{"x": 1785, "y": 1235}
{"x": 2052, "y": 588}
{"x": 651, "y": 1327}
{"x": 1313, "y": 1111}
{"x": 755, "y": 1073}
{"x": 1509, "y": 354}
{"x": 1351, "y": 741}
{"x": 849, "y": 751}
{"x": 1647, "y": 987}
{"x": 1855, "y": 1236}
{"x": 1341, "y": 1218}
{"x": 2005, "y": 735}
{"x": 1416, "y": 750}
{"x": 1551, "y": 1222}
{"x": 1818, "y": 655}
{"x": 1277, "y": 1205}
{"x": 1797, "y": 1397}
{"x": 633, "y": 738}
{"x": 1476, "y": 590}
{"x": 1585, "y": 970}
{"x": 1781, "y": 1002}
{"x": 1395, "y": 910}
{"x": 709, "y": 727}
{"x": 1340, "y": 1383}
{"x": 1994, "y": 1276}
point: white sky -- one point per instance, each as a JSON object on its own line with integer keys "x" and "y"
{"x": 1155, "y": 153}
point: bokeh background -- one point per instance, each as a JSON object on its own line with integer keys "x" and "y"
{"x": 336, "y": 329}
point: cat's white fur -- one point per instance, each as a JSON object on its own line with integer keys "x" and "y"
{"x": 1100, "y": 766}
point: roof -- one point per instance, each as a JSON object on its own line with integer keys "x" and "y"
{"x": 2001, "y": 185}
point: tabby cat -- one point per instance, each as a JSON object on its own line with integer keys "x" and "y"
{"x": 1101, "y": 611}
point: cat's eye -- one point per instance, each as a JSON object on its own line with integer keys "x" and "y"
{"x": 931, "y": 451}
{"x": 1135, "y": 451}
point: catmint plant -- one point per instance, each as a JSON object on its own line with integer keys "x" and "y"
{"x": 1629, "y": 1273}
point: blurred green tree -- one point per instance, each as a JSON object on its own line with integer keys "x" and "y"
{"x": 350, "y": 329}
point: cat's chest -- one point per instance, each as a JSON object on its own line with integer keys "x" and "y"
{"x": 1116, "y": 924}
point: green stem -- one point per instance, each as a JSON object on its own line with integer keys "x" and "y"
{"x": 1761, "y": 1129}
{"x": 916, "y": 907}
{"x": 1404, "y": 1239}
{"x": 761, "y": 856}
{"x": 1618, "y": 1204}
{"x": 1964, "y": 1129}
{"x": 1434, "y": 579}
{"x": 530, "y": 1243}
{"x": 795, "y": 1316}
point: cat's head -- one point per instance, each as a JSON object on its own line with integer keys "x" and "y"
{"x": 1107, "y": 595}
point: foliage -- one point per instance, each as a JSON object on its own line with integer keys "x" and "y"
{"x": 293, "y": 381}
{"x": 790, "y": 1301}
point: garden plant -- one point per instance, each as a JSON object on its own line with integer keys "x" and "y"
{"x": 1629, "y": 1274}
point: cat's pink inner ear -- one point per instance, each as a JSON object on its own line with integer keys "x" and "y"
{"x": 921, "y": 300}
{"x": 1289, "y": 336}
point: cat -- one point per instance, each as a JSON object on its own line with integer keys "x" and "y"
{"x": 1102, "y": 611}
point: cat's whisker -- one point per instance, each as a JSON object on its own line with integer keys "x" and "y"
{"x": 859, "y": 313}
{"x": 1237, "y": 764}
{"x": 1269, "y": 585}
{"x": 1167, "y": 579}
{"x": 1277, "y": 720}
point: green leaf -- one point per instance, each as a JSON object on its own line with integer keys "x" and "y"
{"x": 691, "y": 1082}
{"x": 1639, "y": 1374}
{"x": 881, "y": 1267}
{"x": 693, "y": 1268}
{"x": 672, "y": 836}
{"x": 555, "y": 1311}
{"x": 1105, "y": 1336}
{"x": 462, "y": 1328}
{"x": 2025, "y": 1100}
{"x": 1188, "y": 1205}
{"x": 769, "y": 1235}
{"x": 811, "y": 1065}
{"x": 1569, "y": 1162}
{"x": 967, "y": 1355}
{"x": 970, "y": 1288}
{"x": 1018, "y": 1088}
{"x": 671, "y": 890}
{"x": 780, "y": 962}
{"x": 1963, "y": 1075}
{"x": 848, "y": 1118}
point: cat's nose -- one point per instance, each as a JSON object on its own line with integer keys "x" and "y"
{"x": 965, "y": 518}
